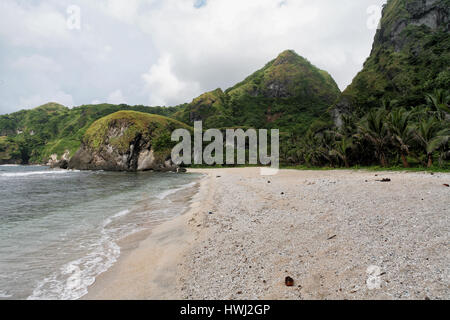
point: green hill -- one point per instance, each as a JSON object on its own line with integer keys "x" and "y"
{"x": 127, "y": 141}
{"x": 410, "y": 57}
{"x": 53, "y": 128}
{"x": 288, "y": 91}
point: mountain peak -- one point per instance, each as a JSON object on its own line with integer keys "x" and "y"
{"x": 51, "y": 107}
{"x": 288, "y": 76}
{"x": 287, "y": 56}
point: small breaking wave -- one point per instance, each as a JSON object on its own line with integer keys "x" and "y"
{"x": 117, "y": 215}
{"x": 4, "y": 294}
{"x": 31, "y": 173}
{"x": 97, "y": 235}
{"x": 167, "y": 193}
{"x": 74, "y": 278}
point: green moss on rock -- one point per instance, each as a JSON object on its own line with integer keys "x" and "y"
{"x": 130, "y": 124}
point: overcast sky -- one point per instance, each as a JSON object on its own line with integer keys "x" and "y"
{"x": 167, "y": 52}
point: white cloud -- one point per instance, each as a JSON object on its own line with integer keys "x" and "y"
{"x": 164, "y": 86}
{"x": 36, "y": 62}
{"x": 168, "y": 52}
{"x": 225, "y": 40}
{"x": 121, "y": 10}
{"x": 25, "y": 24}
{"x": 116, "y": 97}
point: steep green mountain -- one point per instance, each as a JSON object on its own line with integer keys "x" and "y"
{"x": 289, "y": 91}
{"x": 410, "y": 57}
{"x": 127, "y": 141}
{"x": 211, "y": 108}
{"x": 31, "y": 136}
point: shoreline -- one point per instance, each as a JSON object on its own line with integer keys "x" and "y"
{"x": 322, "y": 228}
{"x": 147, "y": 264}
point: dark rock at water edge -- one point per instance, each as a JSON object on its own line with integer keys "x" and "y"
{"x": 140, "y": 157}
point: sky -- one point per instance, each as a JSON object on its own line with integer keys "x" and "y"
{"x": 167, "y": 52}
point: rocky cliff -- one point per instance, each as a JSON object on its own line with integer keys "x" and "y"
{"x": 127, "y": 141}
{"x": 410, "y": 57}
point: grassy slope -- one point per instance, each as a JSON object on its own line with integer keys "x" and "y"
{"x": 152, "y": 127}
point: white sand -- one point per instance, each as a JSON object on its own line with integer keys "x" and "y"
{"x": 324, "y": 231}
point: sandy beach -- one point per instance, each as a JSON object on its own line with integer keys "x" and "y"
{"x": 337, "y": 234}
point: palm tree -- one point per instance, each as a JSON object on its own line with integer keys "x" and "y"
{"x": 375, "y": 129}
{"x": 431, "y": 137}
{"x": 349, "y": 124}
{"x": 401, "y": 132}
{"x": 341, "y": 148}
{"x": 438, "y": 100}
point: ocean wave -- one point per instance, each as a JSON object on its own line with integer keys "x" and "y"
{"x": 117, "y": 215}
{"x": 167, "y": 193}
{"x": 74, "y": 278}
{"x": 4, "y": 294}
{"x": 71, "y": 280}
{"x": 31, "y": 173}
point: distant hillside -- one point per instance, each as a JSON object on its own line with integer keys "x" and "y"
{"x": 410, "y": 57}
{"x": 289, "y": 91}
{"x": 34, "y": 135}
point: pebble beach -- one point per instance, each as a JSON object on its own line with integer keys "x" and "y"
{"x": 337, "y": 234}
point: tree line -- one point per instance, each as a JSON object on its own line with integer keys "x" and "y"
{"x": 387, "y": 136}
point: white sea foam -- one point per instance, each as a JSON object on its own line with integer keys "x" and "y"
{"x": 31, "y": 173}
{"x": 4, "y": 294}
{"x": 117, "y": 215}
{"x": 74, "y": 278}
{"x": 96, "y": 254}
{"x": 167, "y": 193}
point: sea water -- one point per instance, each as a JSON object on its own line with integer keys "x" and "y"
{"x": 59, "y": 229}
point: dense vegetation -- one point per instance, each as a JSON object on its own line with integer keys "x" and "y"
{"x": 395, "y": 112}
{"x": 287, "y": 92}
{"x": 410, "y": 57}
{"x": 33, "y": 135}
{"x": 388, "y": 136}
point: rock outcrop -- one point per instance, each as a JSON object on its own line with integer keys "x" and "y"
{"x": 409, "y": 58}
{"x": 62, "y": 163}
{"x": 432, "y": 14}
{"x": 127, "y": 141}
